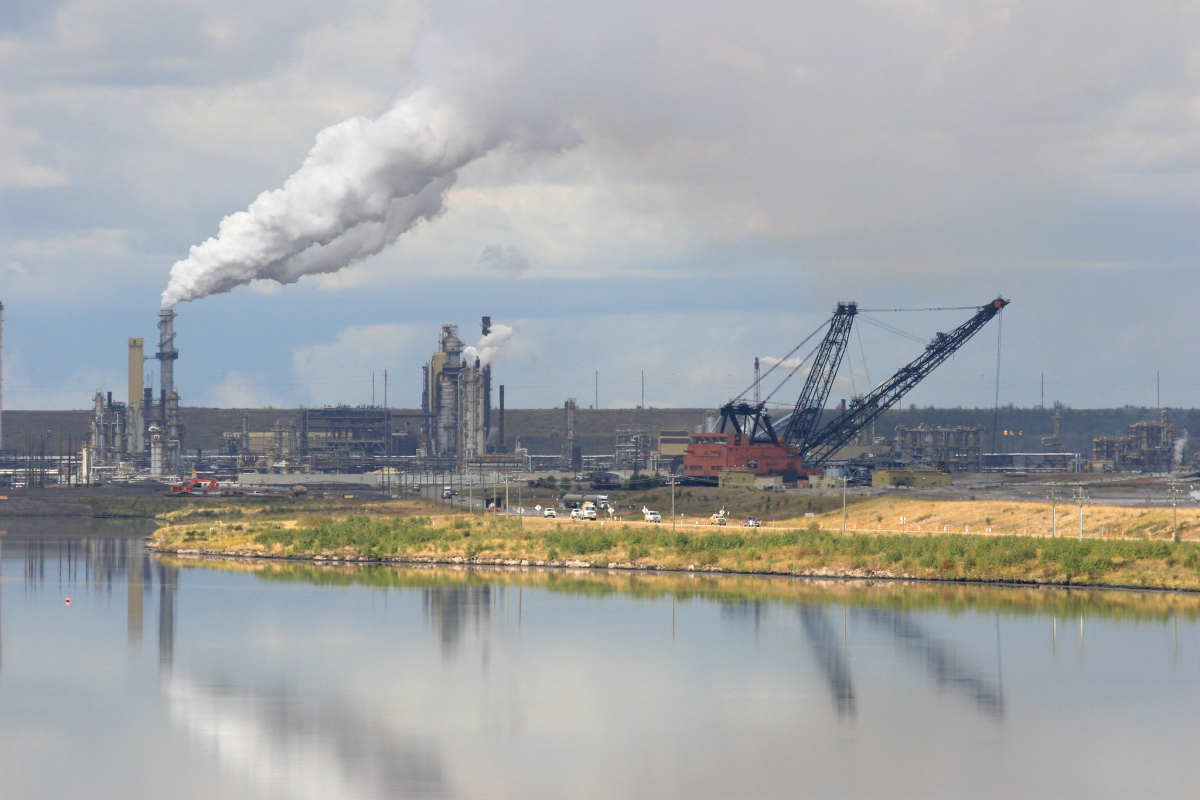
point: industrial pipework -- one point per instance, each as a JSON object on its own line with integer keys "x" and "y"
{"x": 169, "y": 397}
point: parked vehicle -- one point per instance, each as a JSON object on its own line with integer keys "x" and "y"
{"x": 651, "y": 516}
{"x": 751, "y": 522}
{"x": 550, "y": 513}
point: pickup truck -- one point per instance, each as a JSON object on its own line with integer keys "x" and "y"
{"x": 651, "y": 516}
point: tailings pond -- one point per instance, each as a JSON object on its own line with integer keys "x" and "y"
{"x": 176, "y": 678}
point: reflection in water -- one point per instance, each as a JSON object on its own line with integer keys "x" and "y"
{"x": 133, "y": 599}
{"x": 168, "y": 586}
{"x": 298, "y": 745}
{"x": 830, "y": 657}
{"x": 940, "y": 660}
{"x": 452, "y": 608}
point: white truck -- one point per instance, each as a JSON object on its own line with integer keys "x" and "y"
{"x": 588, "y": 510}
{"x": 651, "y": 516}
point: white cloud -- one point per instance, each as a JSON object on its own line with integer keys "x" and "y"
{"x": 340, "y": 371}
{"x": 239, "y": 390}
{"x": 17, "y": 169}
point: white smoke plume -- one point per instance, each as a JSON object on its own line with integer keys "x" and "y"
{"x": 508, "y": 260}
{"x": 364, "y": 183}
{"x": 788, "y": 363}
{"x": 1180, "y": 444}
{"x": 488, "y": 348}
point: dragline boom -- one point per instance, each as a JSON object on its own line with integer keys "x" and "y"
{"x": 863, "y": 411}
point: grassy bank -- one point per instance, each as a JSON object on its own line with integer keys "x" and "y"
{"x": 1112, "y": 562}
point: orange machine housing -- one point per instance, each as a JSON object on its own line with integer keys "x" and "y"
{"x": 709, "y": 453}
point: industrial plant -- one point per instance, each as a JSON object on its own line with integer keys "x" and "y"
{"x": 458, "y": 428}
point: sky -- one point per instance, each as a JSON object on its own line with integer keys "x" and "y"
{"x": 666, "y": 189}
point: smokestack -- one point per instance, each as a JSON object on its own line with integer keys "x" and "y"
{"x": 502, "y": 447}
{"x": 1, "y": 377}
{"x": 486, "y": 327}
{"x": 166, "y": 351}
{"x": 170, "y": 397}
{"x": 136, "y": 359}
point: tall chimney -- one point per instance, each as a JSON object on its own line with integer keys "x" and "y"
{"x": 1, "y": 377}
{"x": 502, "y": 447}
{"x": 486, "y": 326}
{"x": 166, "y": 351}
{"x": 170, "y": 397}
{"x": 136, "y": 360}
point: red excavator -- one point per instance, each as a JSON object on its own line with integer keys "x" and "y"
{"x": 746, "y": 439}
{"x": 197, "y": 486}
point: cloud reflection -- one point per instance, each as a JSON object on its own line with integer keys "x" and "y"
{"x": 295, "y": 745}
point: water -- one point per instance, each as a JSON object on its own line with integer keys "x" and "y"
{"x": 168, "y": 678}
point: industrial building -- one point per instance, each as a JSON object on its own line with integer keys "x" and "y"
{"x": 1148, "y": 447}
{"x": 457, "y": 399}
{"x": 632, "y": 447}
{"x": 144, "y": 434}
{"x": 955, "y": 449}
{"x": 140, "y": 433}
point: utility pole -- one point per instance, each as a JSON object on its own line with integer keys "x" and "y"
{"x": 596, "y": 401}
{"x": 1054, "y": 513}
{"x": 1081, "y": 495}
{"x": 643, "y": 389}
{"x": 1174, "y": 511}
{"x": 671, "y": 480}
{"x": 845, "y": 479}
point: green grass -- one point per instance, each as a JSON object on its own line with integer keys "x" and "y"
{"x": 944, "y": 556}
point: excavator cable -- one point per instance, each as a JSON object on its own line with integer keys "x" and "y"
{"x": 775, "y": 366}
{"x": 892, "y": 329}
{"x": 943, "y": 308}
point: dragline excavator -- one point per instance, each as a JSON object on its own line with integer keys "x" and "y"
{"x": 747, "y": 439}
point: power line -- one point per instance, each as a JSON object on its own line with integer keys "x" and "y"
{"x": 892, "y": 329}
{"x": 943, "y": 308}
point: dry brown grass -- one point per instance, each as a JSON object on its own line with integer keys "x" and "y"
{"x": 883, "y": 515}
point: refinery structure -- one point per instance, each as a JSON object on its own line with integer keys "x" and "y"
{"x": 458, "y": 429}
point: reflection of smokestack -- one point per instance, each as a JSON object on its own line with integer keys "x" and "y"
{"x": 168, "y": 578}
{"x": 133, "y": 578}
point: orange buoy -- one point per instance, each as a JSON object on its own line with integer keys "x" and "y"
{"x": 68, "y": 601}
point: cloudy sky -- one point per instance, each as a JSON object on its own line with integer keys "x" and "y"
{"x": 673, "y": 188}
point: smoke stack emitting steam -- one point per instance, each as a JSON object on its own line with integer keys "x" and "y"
{"x": 489, "y": 346}
{"x": 364, "y": 183}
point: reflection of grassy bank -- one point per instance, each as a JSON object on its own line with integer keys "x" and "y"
{"x": 1138, "y": 563}
{"x": 738, "y": 589}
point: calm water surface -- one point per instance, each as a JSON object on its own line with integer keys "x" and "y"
{"x": 167, "y": 678}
